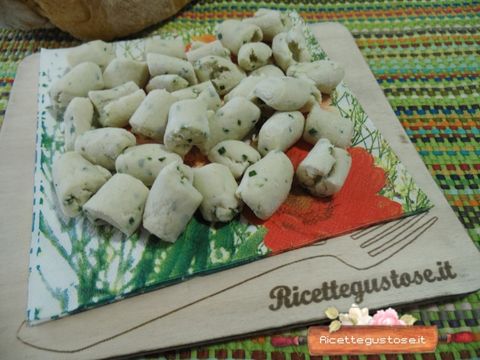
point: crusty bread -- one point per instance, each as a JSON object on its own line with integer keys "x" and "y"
{"x": 105, "y": 19}
{"x": 19, "y": 14}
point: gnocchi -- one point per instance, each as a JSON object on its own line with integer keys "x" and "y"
{"x": 218, "y": 186}
{"x": 286, "y": 93}
{"x": 115, "y": 106}
{"x": 290, "y": 48}
{"x": 159, "y": 64}
{"x": 212, "y": 98}
{"x": 145, "y": 161}
{"x": 234, "y": 154}
{"x": 223, "y": 73}
{"x": 120, "y": 203}
{"x": 324, "y": 171}
{"x": 77, "y": 82}
{"x": 326, "y": 74}
{"x": 266, "y": 184}
{"x": 170, "y": 47}
{"x": 120, "y": 71}
{"x": 97, "y": 51}
{"x": 234, "y": 120}
{"x": 244, "y": 88}
{"x": 76, "y": 180}
{"x": 234, "y": 33}
{"x": 169, "y": 82}
{"x": 322, "y": 123}
{"x": 103, "y": 146}
{"x": 281, "y": 131}
{"x": 187, "y": 126}
{"x": 271, "y": 22}
{"x": 252, "y": 56}
{"x": 77, "y": 119}
{"x": 167, "y": 213}
{"x": 214, "y": 48}
{"x": 150, "y": 118}
{"x": 268, "y": 70}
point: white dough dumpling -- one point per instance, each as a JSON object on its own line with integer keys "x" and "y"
{"x": 325, "y": 169}
{"x": 316, "y": 165}
{"x": 242, "y": 101}
{"x": 281, "y": 131}
{"x": 290, "y": 48}
{"x": 286, "y": 93}
{"x": 120, "y": 203}
{"x": 145, "y": 161}
{"x": 268, "y": 70}
{"x": 97, "y": 51}
{"x": 167, "y": 212}
{"x": 234, "y": 154}
{"x": 218, "y": 186}
{"x": 76, "y": 180}
{"x": 150, "y": 118}
{"x": 266, "y": 184}
{"x": 223, "y": 73}
{"x": 252, "y": 56}
{"x": 187, "y": 126}
{"x": 205, "y": 49}
{"x": 78, "y": 118}
{"x": 322, "y": 123}
{"x": 271, "y": 22}
{"x": 103, "y": 146}
{"x": 169, "y": 82}
{"x": 171, "y": 47}
{"x": 234, "y": 33}
{"x": 245, "y": 88}
{"x": 192, "y": 92}
{"x": 159, "y": 64}
{"x": 210, "y": 97}
{"x": 326, "y": 74}
{"x": 120, "y": 71}
{"x": 116, "y": 106}
{"x": 77, "y": 82}
{"x": 233, "y": 121}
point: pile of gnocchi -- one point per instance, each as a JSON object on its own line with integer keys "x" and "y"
{"x": 241, "y": 101}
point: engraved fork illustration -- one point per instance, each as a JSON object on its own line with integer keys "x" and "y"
{"x": 372, "y": 246}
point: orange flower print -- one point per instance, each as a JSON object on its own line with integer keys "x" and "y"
{"x": 303, "y": 219}
{"x": 207, "y": 38}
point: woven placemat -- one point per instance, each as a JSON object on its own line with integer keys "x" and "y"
{"x": 425, "y": 56}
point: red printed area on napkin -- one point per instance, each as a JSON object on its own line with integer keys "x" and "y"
{"x": 303, "y": 219}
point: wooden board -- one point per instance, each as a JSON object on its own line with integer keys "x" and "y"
{"x": 283, "y": 290}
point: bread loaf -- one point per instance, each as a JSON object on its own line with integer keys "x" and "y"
{"x": 105, "y": 19}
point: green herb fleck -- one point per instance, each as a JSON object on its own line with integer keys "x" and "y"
{"x": 244, "y": 157}
{"x": 313, "y": 131}
{"x": 221, "y": 151}
{"x": 252, "y": 173}
{"x": 162, "y": 159}
{"x": 131, "y": 220}
{"x": 225, "y": 130}
{"x": 239, "y": 122}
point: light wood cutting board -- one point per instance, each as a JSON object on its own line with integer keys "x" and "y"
{"x": 284, "y": 290}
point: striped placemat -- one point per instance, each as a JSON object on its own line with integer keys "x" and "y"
{"x": 426, "y": 57}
